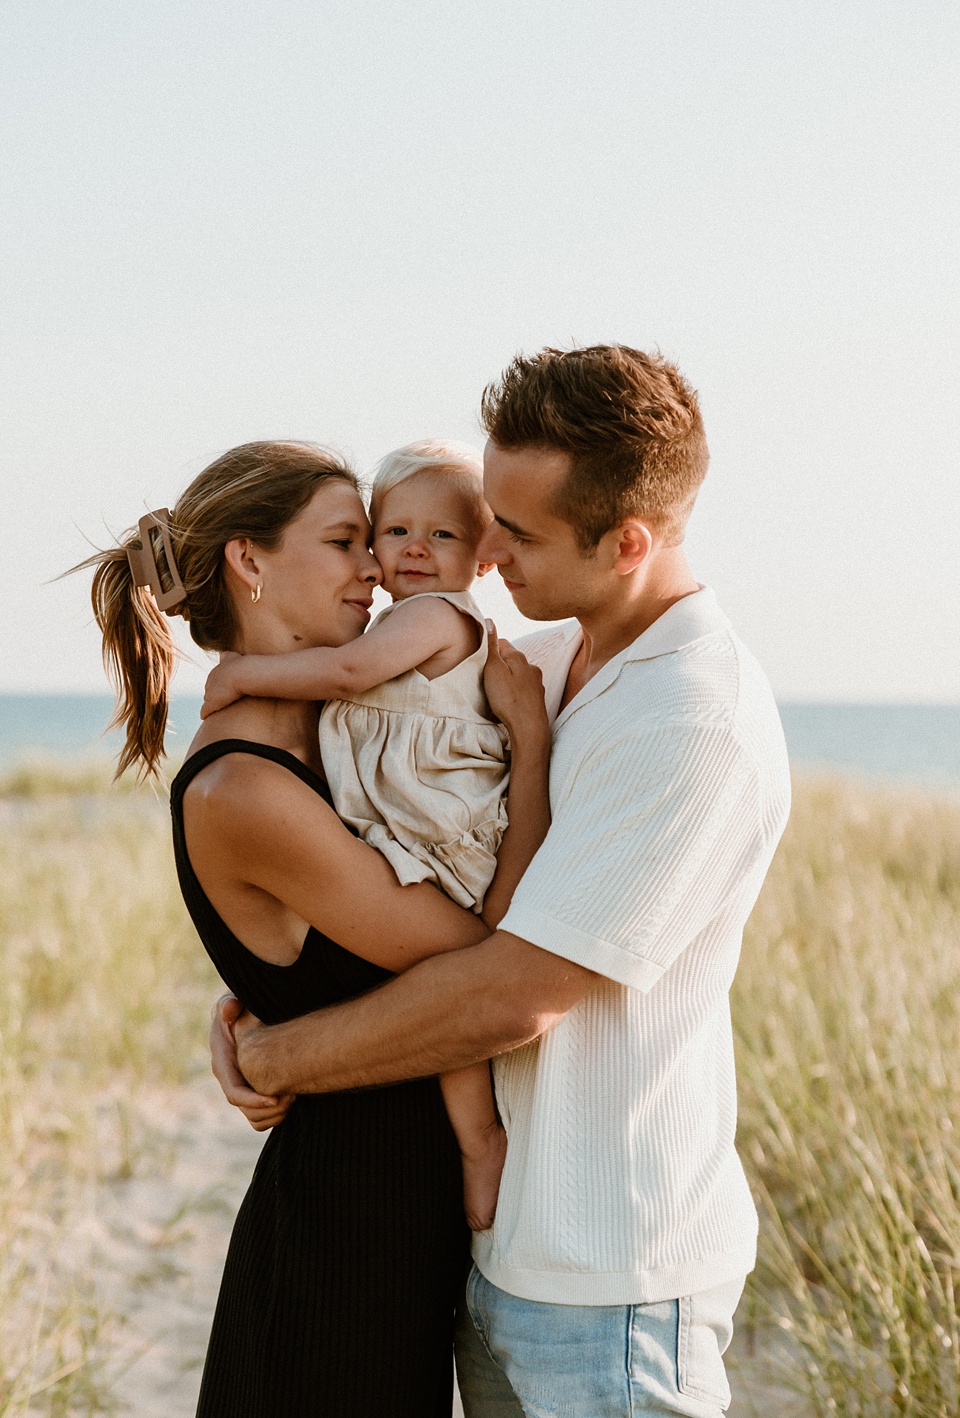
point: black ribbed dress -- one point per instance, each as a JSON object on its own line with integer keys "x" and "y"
{"x": 350, "y": 1246}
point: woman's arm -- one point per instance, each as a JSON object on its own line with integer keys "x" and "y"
{"x": 515, "y": 692}
{"x": 418, "y": 629}
{"x": 260, "y": 840}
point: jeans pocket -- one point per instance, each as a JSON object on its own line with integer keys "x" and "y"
{"x": 703, "y": 1333}
{"x": 474, "y": 1302}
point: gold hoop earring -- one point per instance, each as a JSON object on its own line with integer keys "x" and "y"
{"x": 255, "y": 593}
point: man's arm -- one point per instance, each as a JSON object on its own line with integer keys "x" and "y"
{"x": 445, "y": 1013}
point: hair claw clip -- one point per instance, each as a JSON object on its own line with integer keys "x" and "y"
{"x": 144, "y": 566}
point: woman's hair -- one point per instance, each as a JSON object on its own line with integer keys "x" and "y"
{"x": 252, "y": 491}
{"x": 459, "y": 462}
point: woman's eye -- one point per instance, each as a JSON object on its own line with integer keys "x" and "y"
{"x": 514, "y": 538}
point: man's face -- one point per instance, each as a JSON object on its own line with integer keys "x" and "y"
{"x": 536, "y": 551}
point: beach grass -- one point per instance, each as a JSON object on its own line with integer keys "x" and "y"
{"x": 846, "y": 1012}
{"x": 104, "y": 994}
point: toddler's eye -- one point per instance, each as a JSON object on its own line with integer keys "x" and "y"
{"x": 393, "y": 532}
{"x": 451, "y": 535}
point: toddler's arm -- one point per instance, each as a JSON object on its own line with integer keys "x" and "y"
{"x": 468, "y": 1095}
{"x": 419, "y": 628}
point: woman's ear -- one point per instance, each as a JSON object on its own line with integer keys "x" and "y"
{"x": 240, "y": 554}
{"x": 484, "y": 567}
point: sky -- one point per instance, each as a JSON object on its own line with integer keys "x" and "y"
{"x": 226, "y": 220}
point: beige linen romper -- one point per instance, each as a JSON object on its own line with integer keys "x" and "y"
{"x": 419, "y": 768}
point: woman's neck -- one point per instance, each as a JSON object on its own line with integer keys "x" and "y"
{"x": 283, "y": 723}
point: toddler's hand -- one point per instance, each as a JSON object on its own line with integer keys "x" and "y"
{"x": 221, "y": 686}
{"x": 513, "y": 686}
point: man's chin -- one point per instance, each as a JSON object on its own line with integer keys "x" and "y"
{"x": 534, "y": 608}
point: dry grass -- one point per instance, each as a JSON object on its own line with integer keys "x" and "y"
{"x": 846, "y": 1006}
{"x": 104, "y": 990}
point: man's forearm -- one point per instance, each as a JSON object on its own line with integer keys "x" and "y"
{"x": 445, "y": 1013}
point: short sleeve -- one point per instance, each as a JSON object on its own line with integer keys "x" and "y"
{"x": 652, "y": 836}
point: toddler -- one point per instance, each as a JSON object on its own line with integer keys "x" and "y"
{"x": 412, "y": 756}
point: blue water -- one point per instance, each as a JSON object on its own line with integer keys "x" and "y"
{"x": 914, "y": 742}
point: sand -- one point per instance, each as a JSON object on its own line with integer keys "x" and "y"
{"x": 157, "y": 1238}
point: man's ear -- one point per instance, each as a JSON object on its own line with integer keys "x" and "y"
{"x": 634, "y": 545}
{"x": 484, "y": 567}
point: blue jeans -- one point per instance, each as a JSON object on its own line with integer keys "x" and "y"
{"x": 594, "y": 1361}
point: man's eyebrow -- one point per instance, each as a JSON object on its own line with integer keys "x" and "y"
{"x": 510, "y": 527}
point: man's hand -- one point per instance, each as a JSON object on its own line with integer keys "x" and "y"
{"x": 514, "y": 687}
{"x": 221, "y": 687}
{"x": 261, "y": 1111}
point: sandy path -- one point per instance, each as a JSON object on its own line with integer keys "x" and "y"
{"x": 157, "y": 1242}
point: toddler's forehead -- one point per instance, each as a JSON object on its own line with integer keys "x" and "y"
{"x": 433, "y": 493}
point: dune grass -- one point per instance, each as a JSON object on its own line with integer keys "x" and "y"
{"x": 847, "y": 1007}
{"x": 103, "y": 989}
{"x": 846, "y": 1011}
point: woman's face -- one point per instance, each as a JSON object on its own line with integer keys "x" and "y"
{"x": 318, "y": 583}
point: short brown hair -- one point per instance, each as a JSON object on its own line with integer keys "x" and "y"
{"x": 630, "y": 421}
{"x": 253, "y": 491}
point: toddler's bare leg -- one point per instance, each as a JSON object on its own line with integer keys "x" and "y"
{"x": 468, "y": 1094}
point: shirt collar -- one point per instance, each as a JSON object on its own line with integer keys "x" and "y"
{"x": 683, "y": 623}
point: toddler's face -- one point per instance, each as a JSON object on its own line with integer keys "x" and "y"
{"x": 425, "y": 537}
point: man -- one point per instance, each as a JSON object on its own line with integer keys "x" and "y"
{"x": 625, "y": 1226}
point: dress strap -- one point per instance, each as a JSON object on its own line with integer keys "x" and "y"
{"x": 212, "y": 751}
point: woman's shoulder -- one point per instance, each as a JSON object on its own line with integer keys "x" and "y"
{"x": 238, "y": 780}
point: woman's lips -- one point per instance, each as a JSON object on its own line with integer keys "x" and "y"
{"x": 363, "y": 607}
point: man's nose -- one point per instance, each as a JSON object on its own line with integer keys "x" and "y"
{"x": 490, "y": 546}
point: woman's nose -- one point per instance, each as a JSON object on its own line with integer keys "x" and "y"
{"x": 371, "y": 570}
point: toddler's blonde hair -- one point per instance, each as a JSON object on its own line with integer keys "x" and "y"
{"x": 459, "y": 462}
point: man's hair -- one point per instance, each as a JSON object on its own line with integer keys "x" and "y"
{"x": 630, "y": 422}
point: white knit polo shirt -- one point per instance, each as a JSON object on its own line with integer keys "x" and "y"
{"x": 669, "y": 788}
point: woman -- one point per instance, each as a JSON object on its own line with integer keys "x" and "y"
{"x": 349, "y": 1249}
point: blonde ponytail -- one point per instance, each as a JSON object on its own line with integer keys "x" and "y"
{"x": 176, "y": 558}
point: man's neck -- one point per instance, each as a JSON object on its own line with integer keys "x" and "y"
{"x": 617, "y": 623}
